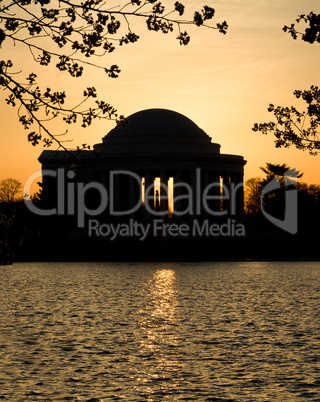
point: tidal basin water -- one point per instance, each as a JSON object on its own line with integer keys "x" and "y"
{"x": 224, "y": 331}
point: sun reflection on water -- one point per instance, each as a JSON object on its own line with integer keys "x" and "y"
{"x": 159, "y": 337}
{"x": 163, "y": 292}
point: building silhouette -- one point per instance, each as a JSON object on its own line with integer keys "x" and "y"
{"x": 159, "y": 163}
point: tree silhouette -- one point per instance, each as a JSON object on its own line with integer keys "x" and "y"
{"x": 252, "y": 196}
{"x": 68, "y": 34}
{"x": 291, "y": 126}
{"x": 279, "y": 172}
{"x": 10, "y": 190}
{"x": 274, "y": 201}
{"x": 311, "y": 33}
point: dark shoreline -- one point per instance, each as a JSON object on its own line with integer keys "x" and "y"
{"x": 259, "y": 247}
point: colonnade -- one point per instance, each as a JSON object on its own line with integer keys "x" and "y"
{"x": 195, "y": 192}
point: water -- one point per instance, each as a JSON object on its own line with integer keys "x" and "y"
{"x": 239, "y": 331}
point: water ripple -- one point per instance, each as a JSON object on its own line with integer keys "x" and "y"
{"x": 151, "y": 332}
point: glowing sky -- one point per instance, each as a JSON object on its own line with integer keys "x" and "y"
{"x": 224, "y": 83}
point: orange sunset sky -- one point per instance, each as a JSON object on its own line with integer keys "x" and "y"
{"x": 224, "y": 83}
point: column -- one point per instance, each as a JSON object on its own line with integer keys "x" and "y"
{"x": 176, "y": 193}
{"x": 164, "y": 192}
{"x": 131, "y": 194}
{"x": 215, "y": 204}
{"x": 205, "y": 183}
{"x": 234, "y": 194}
{"x": 106, "y": 185}
{"x": 226, "y": 194}
{"x": 116, "y": 192}
{"x": 187, "y": 203}
{"x": 149, "y": 181}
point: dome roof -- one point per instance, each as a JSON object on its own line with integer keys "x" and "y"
{"x": 160, "y": 118}
{"x": 157, "y": 131}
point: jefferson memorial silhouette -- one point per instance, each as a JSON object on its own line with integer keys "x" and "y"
{"x": 150, "y": 156}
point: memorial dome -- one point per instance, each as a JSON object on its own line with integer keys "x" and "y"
{"x": 157, "y": 131}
